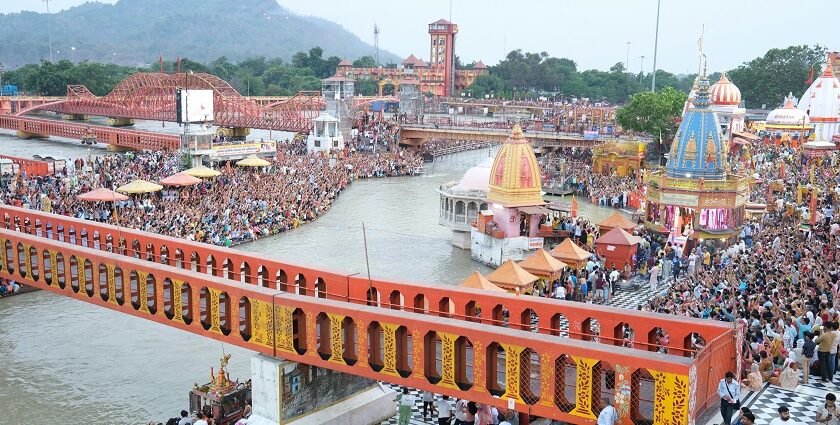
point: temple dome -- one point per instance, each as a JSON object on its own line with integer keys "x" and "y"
{"x": 725, "y": 93}
{"x": 476, "y": 178}
{"x": 697, "y": 150}
{"x": 788, "y": 114}
{"x": 822, "y": 104}
{"x": 515, "y": 179}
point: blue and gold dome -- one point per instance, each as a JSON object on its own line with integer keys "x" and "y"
{"x": 698, "y": 149}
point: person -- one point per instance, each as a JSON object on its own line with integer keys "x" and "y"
{"x": 784, "y": 417}
{"x": 428, "y": 404}
{"x": 405, "y": 403}
{"x": 827, "y": 413}
{"x": 460, "y": 412}
{"x": 654, "y": 277}
{"x": 808, "y": 348}
{"x": 824, "y": 343}
{"x": 608, "y": 414}
{"x": 444, "y": 410}
{"x": 471, "y": 413}
{"x": 185, "y": 418}
{"x": 201, "y": 419}
{"x": 748, "y": 419}
{"x": 754, "y": 380}
{"x": 245, "y": 415}
{"x": 730, "y": 393}
{"x": 741, "y": 412}
{"x": 789, "y": 378}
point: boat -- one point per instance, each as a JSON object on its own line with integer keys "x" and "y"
{"x": 221, "y": 398}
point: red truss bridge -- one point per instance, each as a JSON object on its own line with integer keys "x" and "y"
{"x": 151, "y": 96}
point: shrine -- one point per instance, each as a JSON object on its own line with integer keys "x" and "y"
{"x": 622, "y": 158}
{"x": 697, "y": 195}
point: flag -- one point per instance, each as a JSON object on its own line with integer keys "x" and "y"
{"x": 810, "y": 76}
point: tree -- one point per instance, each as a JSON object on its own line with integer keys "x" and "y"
{"x": 768, "y": 79}
{"x": 366, "y": 87}
{"x": 654, "y": 113}
{"x": 365, "y": 62}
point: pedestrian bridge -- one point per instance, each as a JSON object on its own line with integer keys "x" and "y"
{"x": 418, "y": 134}
{"x": 544, "y": 357}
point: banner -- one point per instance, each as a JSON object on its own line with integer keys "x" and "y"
{"x": 239, "y": 149}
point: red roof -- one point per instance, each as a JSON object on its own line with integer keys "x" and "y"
{"x": 411, "y": 60}
{"x": 345, "y": 62}
{"x": 479, "y": 65}
{"x": 421, "y": 64}
{"x": 618, "y": 236}
{"x": 441, "y": 22}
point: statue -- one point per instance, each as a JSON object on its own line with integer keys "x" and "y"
{"x": 225, "y": 360}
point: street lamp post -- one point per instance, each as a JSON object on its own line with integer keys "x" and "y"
{"x": 655, "y": 48}
{"x": 49, "y": 28}
{"x": 627, "y": 59}
{"x": 72, "y": 54}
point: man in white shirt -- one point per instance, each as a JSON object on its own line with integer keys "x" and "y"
{"x": 729, "y": 392}
{"x": 608, "y": 414}
{"x": 444, "y": 410}
{"x": 784, "y": 417}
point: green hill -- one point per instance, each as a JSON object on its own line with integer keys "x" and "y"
{"x": 134, "y": 32}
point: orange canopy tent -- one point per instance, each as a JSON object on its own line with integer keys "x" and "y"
{"x": 542, "y": 264}
{"x": 477, "y": 281}
{"x": 571, "y": 254}
{"x": 617, "y": 247}
{"x": 616, "y": 219}
{"x": 510, "y": 277}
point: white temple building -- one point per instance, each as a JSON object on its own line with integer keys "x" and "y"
{"x": 460, "y": 202}
{"x": 822, "y": 104}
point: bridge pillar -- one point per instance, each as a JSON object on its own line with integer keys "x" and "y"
{"x": 115, "y": 148}
{"x": 120, "y": 122}
{"x": 74, "y": 117}
{"x": 29, "y": 135}
{"x": 233, "y": 132}
{"x": 372, "y": 403}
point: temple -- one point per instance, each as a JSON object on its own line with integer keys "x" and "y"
{"x": 509, "y": 230}
{"x": 788, "y": 125}
{"x": 696, "y": 195}
{"x": 822, "y": 104}
{"x": 726, "y": 102}
{"x": 439, "y": 76}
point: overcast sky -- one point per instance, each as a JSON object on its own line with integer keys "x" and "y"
{"x": 593, "y": 33}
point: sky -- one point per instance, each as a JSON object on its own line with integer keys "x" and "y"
{"x": 593, "y": 33}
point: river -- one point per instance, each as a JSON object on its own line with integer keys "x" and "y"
{"x": 66, "y": 361}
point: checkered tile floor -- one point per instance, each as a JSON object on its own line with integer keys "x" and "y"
{"x": 417, "y": 412}
{"x": 802, "y": 402}
{"x": 623, "y": 298}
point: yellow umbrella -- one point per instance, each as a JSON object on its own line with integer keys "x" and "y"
{"x": 252, "y": 161}
{"x": 139, "y": 186}
{"x": 202, "y": 172}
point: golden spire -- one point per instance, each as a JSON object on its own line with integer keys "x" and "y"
{"x": 690, "y": 149}
{"x": 517, "y": 132}
{"x": 711, "y": 149}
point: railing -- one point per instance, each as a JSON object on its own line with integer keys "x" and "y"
{"x": 540, "y": 315}
{"x": 538, "y": 374}
{"x": 135, "y": 139}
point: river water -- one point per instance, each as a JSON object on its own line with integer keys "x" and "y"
{"x": 66, "y": 361}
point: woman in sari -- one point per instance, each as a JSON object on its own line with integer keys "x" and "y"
{"x": 753, "y": 381}
{"x": 789, "y": 378}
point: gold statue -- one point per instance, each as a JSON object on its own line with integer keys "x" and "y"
{"x": 225, "y": 360}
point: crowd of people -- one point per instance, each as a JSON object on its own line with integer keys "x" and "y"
{"x": 240, "y": 205}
